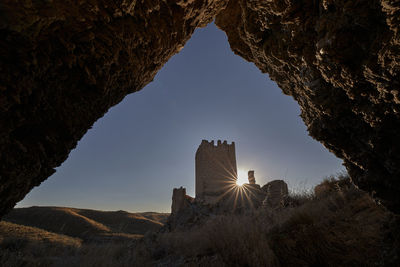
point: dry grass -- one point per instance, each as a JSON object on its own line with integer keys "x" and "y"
{"x": 30, "y": 246}
{"x": 340, "y": 226}
{"x": 10, "y": 231}
{"x": 105, "y": 238}
{"x": 23, "y": 245}
{"x": 231, "y": 240}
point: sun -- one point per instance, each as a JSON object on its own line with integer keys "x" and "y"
{"x": 242, "y": 177}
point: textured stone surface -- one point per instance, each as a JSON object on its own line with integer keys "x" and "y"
{"x": 276, "y": 193}
{"x": 340, "y": 60}
{"x": 180, "y": 200}
{"x": 64, "y": 63}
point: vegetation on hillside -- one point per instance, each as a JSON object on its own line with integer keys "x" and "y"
{"x": 338, "y": 226}
{"x": 88, "y": 224}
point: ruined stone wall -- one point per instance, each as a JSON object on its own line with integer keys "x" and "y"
{"x": 180, "y": 200}
{"x": 216, "y": 170}
{"x": 251, "y": 177}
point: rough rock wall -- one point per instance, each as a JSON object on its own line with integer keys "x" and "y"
{"x": 340, "y": 60}
{"x": 64, "y": 63}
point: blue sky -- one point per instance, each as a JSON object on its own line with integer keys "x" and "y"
{"x": 142, "y": 148}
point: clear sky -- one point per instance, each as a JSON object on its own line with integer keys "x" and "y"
{"x": 142, "y": 148}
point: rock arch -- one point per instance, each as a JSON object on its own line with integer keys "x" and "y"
{"x": 65, "y": 63}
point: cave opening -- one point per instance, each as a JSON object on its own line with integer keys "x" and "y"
{"x": 143, "y": 147}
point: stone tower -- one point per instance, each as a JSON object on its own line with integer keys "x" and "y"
{"x": 216, "y": 170}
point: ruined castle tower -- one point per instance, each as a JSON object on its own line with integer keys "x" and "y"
{"x": 216, "y": 170}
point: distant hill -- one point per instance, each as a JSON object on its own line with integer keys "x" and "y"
{"x": 88, "y": 224}
{"x": 13, "y": 231}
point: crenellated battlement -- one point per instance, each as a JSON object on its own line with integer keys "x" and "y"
{"x": 219, "y": 143}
